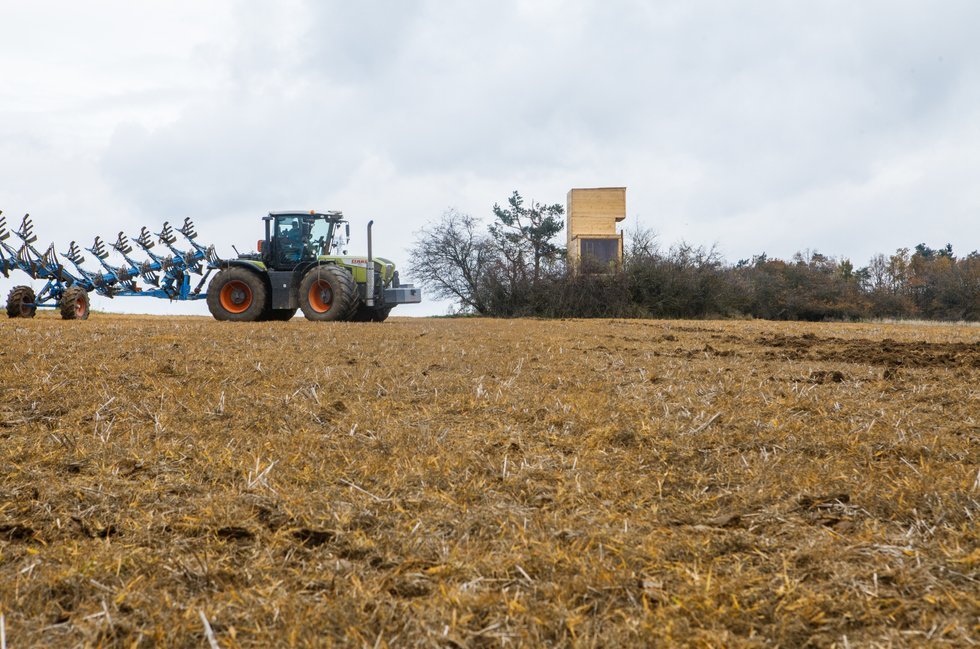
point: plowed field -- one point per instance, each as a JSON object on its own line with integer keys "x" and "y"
{"x": 169, "y": 482}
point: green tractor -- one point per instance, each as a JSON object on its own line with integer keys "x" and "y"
{"x": 302, "y": 264}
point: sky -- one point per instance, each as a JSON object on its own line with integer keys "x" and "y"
{"x": 850, "y": 128}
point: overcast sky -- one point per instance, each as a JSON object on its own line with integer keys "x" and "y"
{"x": 846, "y": 127}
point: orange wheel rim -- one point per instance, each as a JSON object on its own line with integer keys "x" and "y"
{"x": 80, "y": 307}
{"x": 236, "y": 296}
{"x": 321, "y": 296}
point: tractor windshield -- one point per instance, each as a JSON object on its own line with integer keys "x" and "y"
{"x": 301, "y": 237}
{"x": 321, "y": 236}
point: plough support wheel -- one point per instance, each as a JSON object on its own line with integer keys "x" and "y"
{"x": 21, "y": 302}
{"x": 74, "y": 304}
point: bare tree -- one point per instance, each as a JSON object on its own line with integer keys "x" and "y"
{"x": 641, "y": 243}
{"x": 451, "y": 259}
{"x": 875, "y": 274}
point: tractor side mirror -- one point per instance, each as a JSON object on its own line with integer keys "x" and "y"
{"x": 347, "y": 227}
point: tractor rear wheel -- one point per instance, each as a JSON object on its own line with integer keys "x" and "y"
{"x": 21, "y": 302}
{"x": 281, "y": 315}
{"x": 327, "y": 293}
{"x": 74, "y": 304}
{"x": 237, "y": 295}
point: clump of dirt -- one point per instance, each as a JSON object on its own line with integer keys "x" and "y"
{"x": 886, "y": 352}
{"x": 827, "y": 376}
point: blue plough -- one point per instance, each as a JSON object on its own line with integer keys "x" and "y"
{"x": 165, "y": 275}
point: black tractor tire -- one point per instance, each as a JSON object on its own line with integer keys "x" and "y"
{"x": 280, "y": 315}
{"x": 21, "y": 302}
{"x": 365, "y": 313}
{"x": 328, "y": 293}
{"x": 237, "y": 295}
{"x": 74, "y": 304}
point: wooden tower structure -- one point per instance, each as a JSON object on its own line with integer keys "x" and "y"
{"x": 592, "y": 215}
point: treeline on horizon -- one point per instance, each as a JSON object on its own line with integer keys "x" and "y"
{"x": 515, "y": 268}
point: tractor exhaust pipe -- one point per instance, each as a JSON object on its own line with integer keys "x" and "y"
{"x": 370, "y": 270}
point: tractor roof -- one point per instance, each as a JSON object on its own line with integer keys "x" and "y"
{"x": 333, "y": 216}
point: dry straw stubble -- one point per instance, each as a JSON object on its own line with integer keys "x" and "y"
{"x": 482, "y": 483}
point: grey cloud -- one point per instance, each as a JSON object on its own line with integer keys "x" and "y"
{"x": 356, "y": 42}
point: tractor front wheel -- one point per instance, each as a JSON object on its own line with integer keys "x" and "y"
{"x": 74, "y": 304}
{"x": 327, "y": 293}
{"x": 21, "y": 302}
{"x": 237, "y": 295}
{"x": 367, "y": 313}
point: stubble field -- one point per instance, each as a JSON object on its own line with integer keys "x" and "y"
{"x": 173, "y": 482}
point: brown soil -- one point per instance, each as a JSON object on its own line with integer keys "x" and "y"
{"x": 874, "y": 352}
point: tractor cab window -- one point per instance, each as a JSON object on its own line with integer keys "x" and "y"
{"x": 321, "y": 236}
{"x": 289, "y": 239}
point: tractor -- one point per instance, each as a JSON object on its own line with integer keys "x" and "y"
{"x": 302, "y": 263}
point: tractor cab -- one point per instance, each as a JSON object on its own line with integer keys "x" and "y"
{"x": 292, "y": 238}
